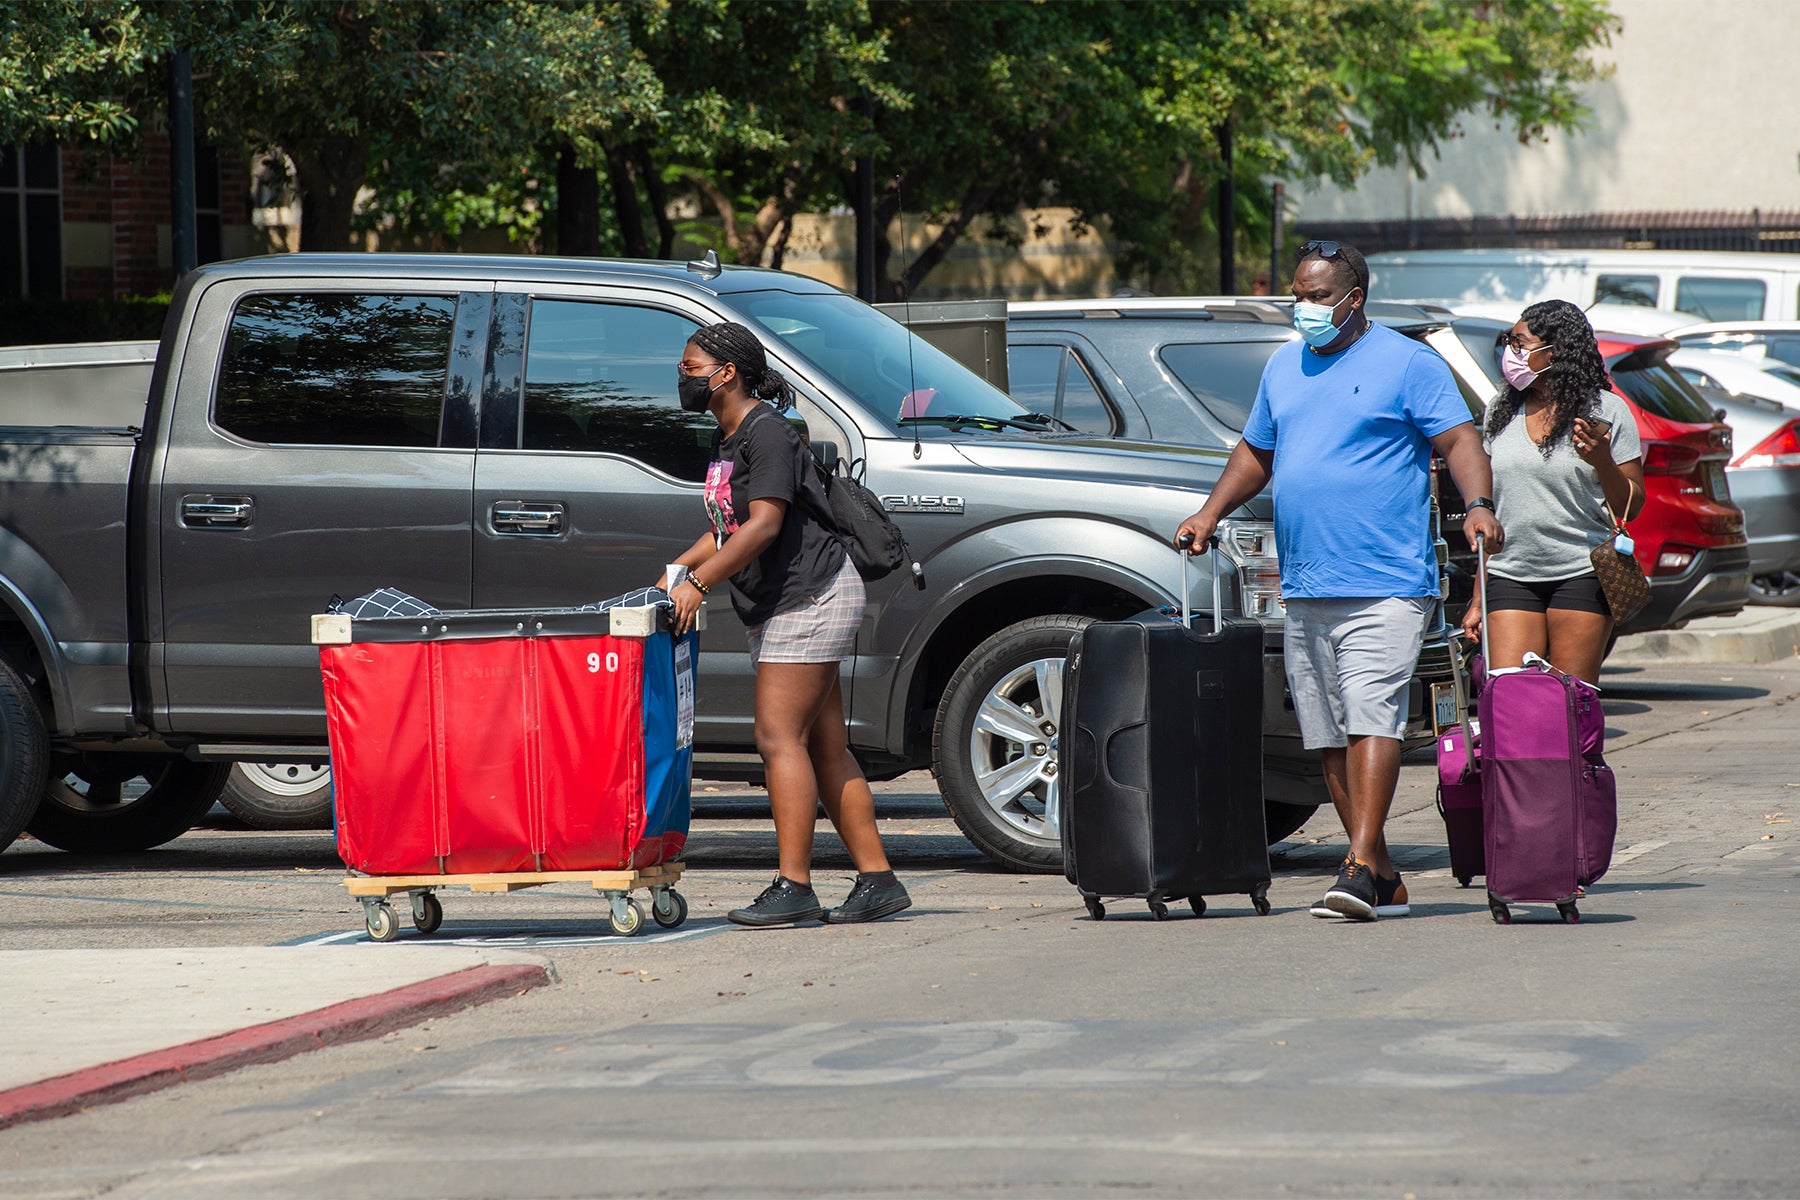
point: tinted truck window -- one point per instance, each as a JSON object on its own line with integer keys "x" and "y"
{"x": 336, "y": 369}
{"x": 602, "y": 377}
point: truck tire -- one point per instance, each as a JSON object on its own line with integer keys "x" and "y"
{"x": 1000, "y": 786}
{"x": 994, "y": 743}
{"x": 24, "y": 754}
{"x": 279, "y": 795}
{"x": 94, "y": 803}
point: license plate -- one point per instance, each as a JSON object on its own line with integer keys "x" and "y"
{"x": 1716, "y": 487}
{"x": 1443, "y": 706}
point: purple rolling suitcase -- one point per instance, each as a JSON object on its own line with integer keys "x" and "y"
{"x": 1548, "y": 800}
{"x": 1459, "y": 802}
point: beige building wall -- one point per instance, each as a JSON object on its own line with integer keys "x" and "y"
{"x": 1699, "y": 115}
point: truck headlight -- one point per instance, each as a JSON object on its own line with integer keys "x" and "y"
{"x": 1250, "y": 545}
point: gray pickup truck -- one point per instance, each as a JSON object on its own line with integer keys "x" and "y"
{"x": 503, "y": 432}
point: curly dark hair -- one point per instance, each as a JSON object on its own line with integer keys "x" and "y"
{"x": 1574, "y": 379}
{"x": 730, "y": 342}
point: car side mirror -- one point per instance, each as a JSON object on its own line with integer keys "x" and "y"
{"x": 1719, "y": 415}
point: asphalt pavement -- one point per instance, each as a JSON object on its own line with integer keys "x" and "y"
{"x": 107, "y": 1019}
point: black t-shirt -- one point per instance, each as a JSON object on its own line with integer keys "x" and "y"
{"x": 766, "y": 460}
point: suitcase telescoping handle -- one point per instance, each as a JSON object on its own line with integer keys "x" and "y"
{"x": 1186, "y": 543}
{"x": 1487, "y": 660}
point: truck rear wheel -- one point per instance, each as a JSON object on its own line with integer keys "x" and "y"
{"x": 280, "y": 795}
{"x": 24, "y": 754}
{"x": 117, "y": 803}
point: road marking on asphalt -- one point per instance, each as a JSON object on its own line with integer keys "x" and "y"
{"x": 513, "y": 941}
{"x": 1637, "y": 850}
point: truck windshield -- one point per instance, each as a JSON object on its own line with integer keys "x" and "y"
{"x": 899, "y": 376}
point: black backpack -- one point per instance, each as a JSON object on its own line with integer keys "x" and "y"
{"x": 875, "y": 543}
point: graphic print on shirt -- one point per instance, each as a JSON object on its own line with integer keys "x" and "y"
{"x": 718, "y": 499}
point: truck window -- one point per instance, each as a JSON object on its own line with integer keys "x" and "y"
{"x": 1721, "y": 299}
{"x": 602, "y": 377}
{"x": 336, "y": 369}
{"x": 1625, "y": 289}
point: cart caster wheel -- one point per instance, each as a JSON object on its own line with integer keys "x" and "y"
{"x": 1159, "y": 910}
{"x": 428, "y": 912}
{"x": 1096, "y": 909}
{"x": 1502, "y": 914}
{"x": 1464, "y": 880}
{"x": 383, "y": 922}
{"x": 1569, "y": 913}
{"x": 670, "y": 908}
{"x": 627, "y": 917}
{"x": 1262, "y": 905}
{"x": 1198, "y": 903}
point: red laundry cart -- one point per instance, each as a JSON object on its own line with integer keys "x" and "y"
{"x": 503, "y": 749}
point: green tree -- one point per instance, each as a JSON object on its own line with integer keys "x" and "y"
{"x": 74, "y": 69}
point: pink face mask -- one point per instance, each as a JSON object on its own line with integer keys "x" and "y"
{"x": 1517, "y": 368}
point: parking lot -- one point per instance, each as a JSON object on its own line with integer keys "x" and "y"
{"x": 993, "y": 1037}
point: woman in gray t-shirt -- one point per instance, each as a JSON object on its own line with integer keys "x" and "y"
{"x": 1566, "y": 455}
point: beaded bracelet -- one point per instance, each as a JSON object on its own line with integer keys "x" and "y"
{"x": 698, "y": 586}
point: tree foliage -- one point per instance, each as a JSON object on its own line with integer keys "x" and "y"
{"x": 460, "y": 112}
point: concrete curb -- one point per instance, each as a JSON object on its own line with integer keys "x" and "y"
{"x": 1756, "y": 635}
{"x": 350, "y": 1021}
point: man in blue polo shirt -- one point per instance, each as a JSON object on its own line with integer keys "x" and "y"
{"x": 1345, "y": 424}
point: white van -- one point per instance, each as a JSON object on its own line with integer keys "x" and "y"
{"x": 1713, "y": 285}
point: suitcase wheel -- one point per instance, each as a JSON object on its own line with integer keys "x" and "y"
{"x": 383, "y": 923}
{"x": 1096, "y": 909}
{"x": 1259, "y": 896}
{"x": 1568, "y": 912}
{"x": 1464, "y": 880}
{"x": 427, "y": 912}
{"x": 1502, "y": 914}
{"x": 669, "y": 907}
{"x": 1199, "y": 903}
{"x": 1159, "y": 910}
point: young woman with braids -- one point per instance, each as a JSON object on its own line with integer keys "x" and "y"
{"x": 793, "y": 585}
{"x": 1565, "y": 451}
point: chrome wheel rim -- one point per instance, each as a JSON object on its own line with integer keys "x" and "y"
{"x": 286, "y": 779}
{"x": 1013, "y": 745}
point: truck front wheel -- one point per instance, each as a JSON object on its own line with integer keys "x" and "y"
{"x": 280, "y": 795}
{"x": 24, "y": 754}
{"x": 117, "y": 803}
{"x": 994, "y": 745}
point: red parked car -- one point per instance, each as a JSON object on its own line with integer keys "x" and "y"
{"x": 1690, "y": 536}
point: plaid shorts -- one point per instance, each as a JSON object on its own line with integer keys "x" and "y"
{"x": 821, "y": 630}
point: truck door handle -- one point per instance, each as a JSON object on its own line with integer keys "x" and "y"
{"x": 531, "y": 518}
{"x": 217, "y": 512}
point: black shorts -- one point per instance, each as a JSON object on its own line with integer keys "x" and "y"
{"x": 1580, "y": 594}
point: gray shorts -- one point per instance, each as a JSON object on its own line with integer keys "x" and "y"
{"x": 1349, "y": 663}
{"x": 821, "y": 630}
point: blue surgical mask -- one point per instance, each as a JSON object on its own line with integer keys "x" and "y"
{"x": 1314, "y": 321}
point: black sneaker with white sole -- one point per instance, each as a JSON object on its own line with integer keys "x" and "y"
{"x": 874, "y": 897}
{"x": 783, "y": 902}
{"x": 1390, "y": 900}
{"x": 1353, "y": 895}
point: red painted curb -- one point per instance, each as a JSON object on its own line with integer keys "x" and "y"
{"x": 353, "y": 1020}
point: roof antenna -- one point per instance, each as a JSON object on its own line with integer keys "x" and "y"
{"x": 707, "y": 266}
{"x": 912, "y": 377}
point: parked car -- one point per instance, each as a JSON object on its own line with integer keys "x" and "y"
{"x": 1778, "y": 341}
{"x": 1762, "y": 405}
{"x": 1712, "y": 284}
{"x": 502, "y": 432}
{"x": 1690, "y": 536}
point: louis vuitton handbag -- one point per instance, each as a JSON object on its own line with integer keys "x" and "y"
{"x": 1621, "y": 578}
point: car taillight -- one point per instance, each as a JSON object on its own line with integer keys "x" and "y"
{"x": 1669, "y": 458}
{"x": 1779, "y": 449}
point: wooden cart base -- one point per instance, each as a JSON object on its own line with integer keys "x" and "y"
{"x": 667, "y": 906}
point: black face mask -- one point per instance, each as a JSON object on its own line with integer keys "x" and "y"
{"x": 695, "y": 390}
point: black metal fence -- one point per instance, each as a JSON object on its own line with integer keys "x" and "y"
{"x": 1754, "y": 230}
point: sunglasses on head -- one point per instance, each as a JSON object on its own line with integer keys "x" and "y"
{"x": 1322, "y": 247}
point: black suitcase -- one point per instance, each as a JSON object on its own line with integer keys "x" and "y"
{"x": 1162, "y": 760}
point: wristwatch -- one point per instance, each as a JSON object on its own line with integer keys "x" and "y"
{"x": 1480, "y": 502}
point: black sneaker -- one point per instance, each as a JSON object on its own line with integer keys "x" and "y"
{"x": 783, "y": 902}
{"x": 870, "y": 900}
{"x": 1390, "y": 897}
{"x": 1353, "y": 895}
